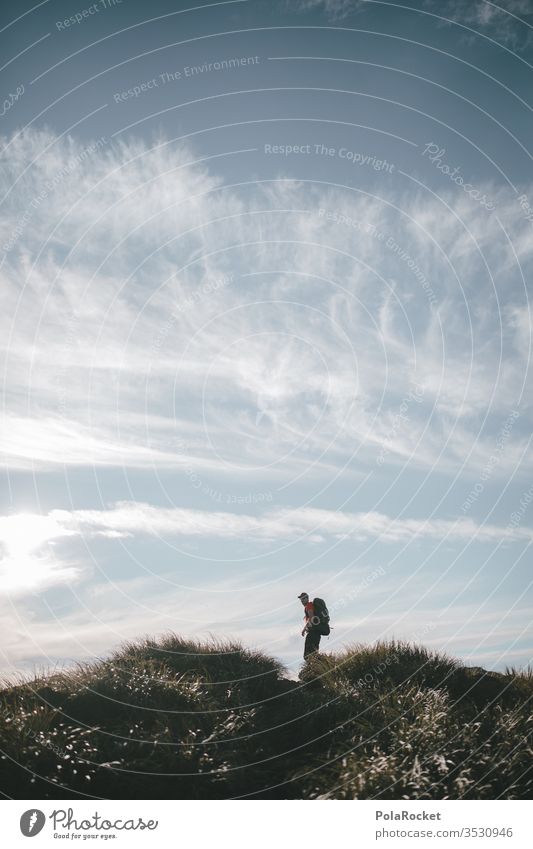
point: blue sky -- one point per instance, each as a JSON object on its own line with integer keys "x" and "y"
{"x": 266, "y": 272}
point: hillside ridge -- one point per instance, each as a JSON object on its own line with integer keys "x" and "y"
{"x": 177, "y": 718}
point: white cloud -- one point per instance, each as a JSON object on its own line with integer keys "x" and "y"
{"x": 136, "y": 518}
{"x": 31, "y": 563}
{"x": 507, "y": 22}
{"x": 334, "y": 8}
{"x": 133, "y": 326}
{"x": 27, "y": 564}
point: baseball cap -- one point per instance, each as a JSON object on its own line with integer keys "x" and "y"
{"x": 303, "y": 595}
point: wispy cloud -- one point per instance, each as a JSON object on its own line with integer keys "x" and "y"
{"x": 336, "y": 9}
{"x": 304, "y": 522}
{"x": 312, "y": 525}
{"x": 508, "y": 22}
{"x": 135, "y": 334}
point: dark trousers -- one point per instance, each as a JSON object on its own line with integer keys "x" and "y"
{"x": 312, "y": 642}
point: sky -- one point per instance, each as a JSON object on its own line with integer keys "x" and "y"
{"x": 265, "y": 270}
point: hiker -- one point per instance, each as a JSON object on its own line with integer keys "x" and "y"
{"x": 316, "y": 623}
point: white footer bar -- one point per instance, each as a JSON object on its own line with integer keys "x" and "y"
{"x": 268, "y": 825}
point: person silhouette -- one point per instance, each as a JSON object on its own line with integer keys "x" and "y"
{"x": 311, "y": 630}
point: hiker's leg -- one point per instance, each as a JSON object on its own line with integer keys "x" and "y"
{"x": 308, "y": 645}
{"x": 312, "y": 641}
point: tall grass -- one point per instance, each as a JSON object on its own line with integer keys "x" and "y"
{"x": 181, "y": 719}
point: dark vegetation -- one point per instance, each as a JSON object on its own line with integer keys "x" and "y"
{"x": 180, "y": 719}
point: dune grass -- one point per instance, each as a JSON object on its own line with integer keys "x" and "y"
{"x": 181, "y": 719}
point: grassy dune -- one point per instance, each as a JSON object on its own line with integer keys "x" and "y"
{"x": 180, "y": 719}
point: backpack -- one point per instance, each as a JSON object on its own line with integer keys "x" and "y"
{"x": 321, "y": 616}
